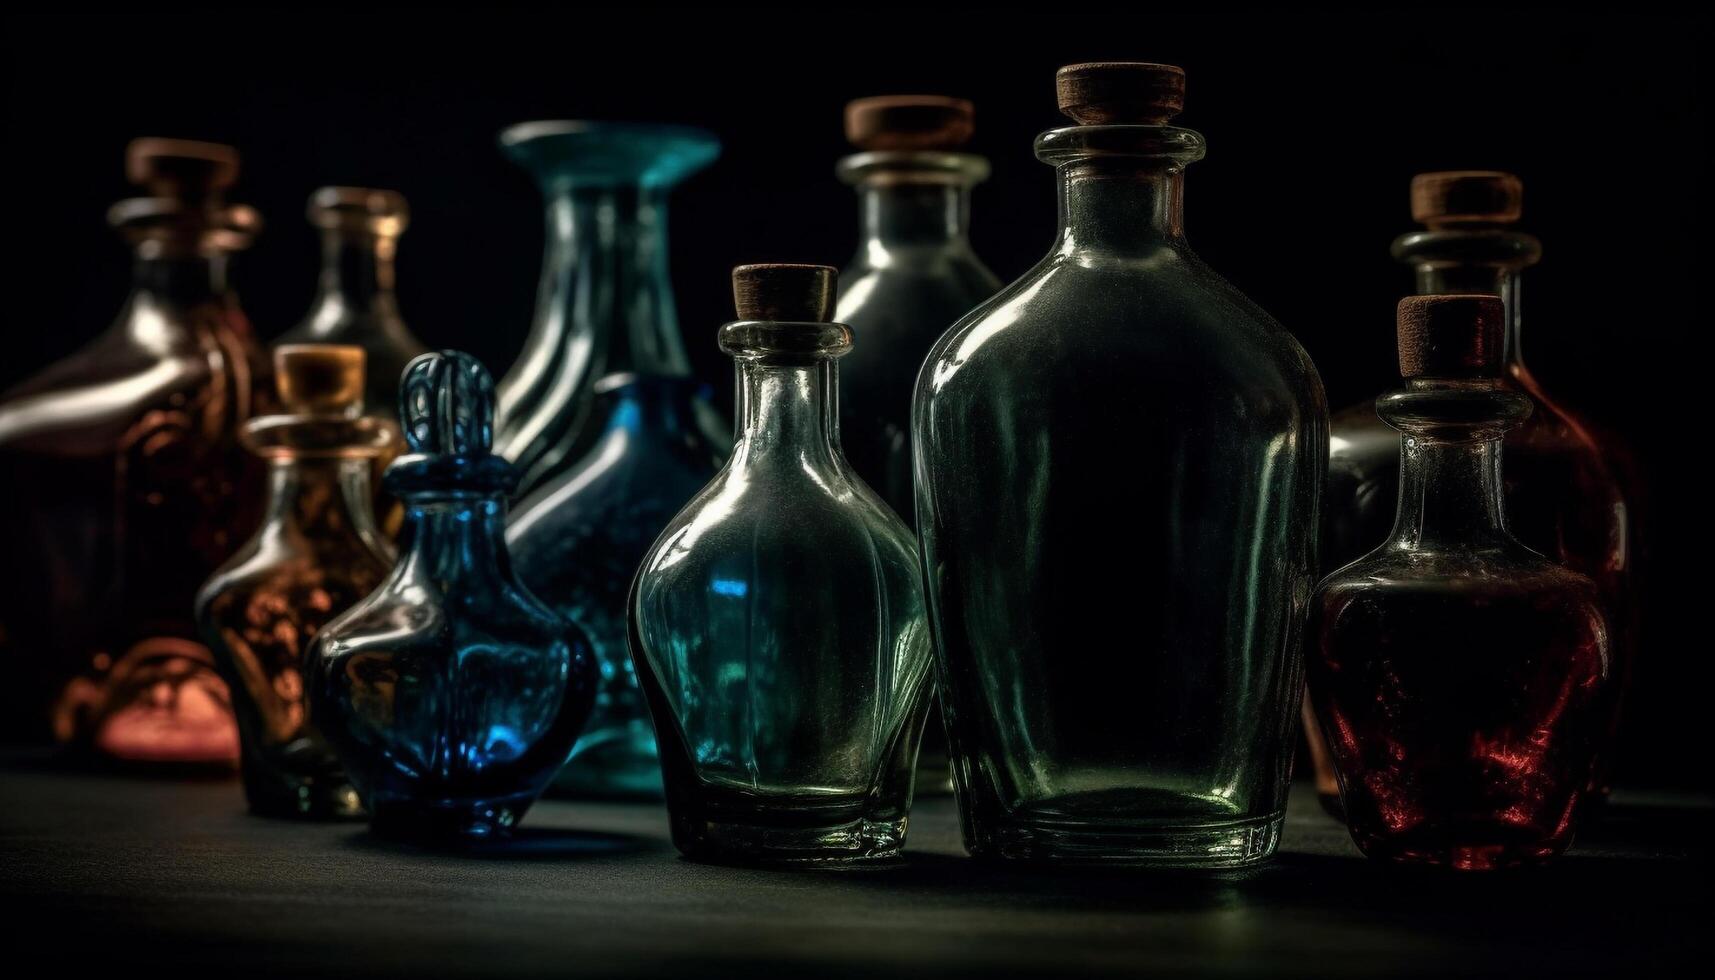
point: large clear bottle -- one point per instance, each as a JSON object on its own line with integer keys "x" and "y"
{"x": 123, "y": 484}
{"x": 914, "y": 273}
{"x": 778, "y": 622}
{"x": 1460, "y": 677}
{"x": 1119, "y": 463}
{"x": 1565, "y": 494}
{"x": 355, "y": 302}
{"x": 600, "y": 413}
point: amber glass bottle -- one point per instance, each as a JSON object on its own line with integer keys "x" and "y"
{"x": 124, "y": 482}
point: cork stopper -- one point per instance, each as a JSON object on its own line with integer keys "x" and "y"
{"x": 368, "y": 209}
{"x": 784, "y": 292}
{"x": 1451, "y": 198}
{"x": 183, "y": 170}
{"x": 1120, "y": 93}
{"x": 320, "y": 379}
{"x": 909, "y": 122}
{"x": 1454, "y": 336}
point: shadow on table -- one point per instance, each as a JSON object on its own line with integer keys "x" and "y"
{"x": 525, "y": 844}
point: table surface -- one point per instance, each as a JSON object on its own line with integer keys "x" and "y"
{"x": 110, "y": 869}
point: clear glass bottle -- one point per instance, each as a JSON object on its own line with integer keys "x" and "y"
{"x": 1459, "y": 675}
{"x": 1119, "y": 462}
{"x": 123, "y": 484}
{"x": 355, "y": 303}
{"x": 606, "y": 340}
{"x": 450, "y": 693}
{"x": 317, "y": 551}
{"x": 914, "y": 273}
{"x": 1565, "y": 495}
{"x": 778, "y": 622}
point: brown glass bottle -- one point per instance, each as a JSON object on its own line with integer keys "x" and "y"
{"x": 1564, "y": 491}
{"x": 1460, "y": 677}
{"x": 317, "y": 552}
{"x": 125, "y": 485}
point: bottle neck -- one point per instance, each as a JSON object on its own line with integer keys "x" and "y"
{"x": 179, "y": 277}
{"x": 453, "y": 537}
{"x": 900, "y": 215}
{"x": 1480, "y": 260}
{"x": 356, "y": 280}
{"x": 1120, "y": 205}
{"x": 321, "y": 499}
{"x": 788, "y": 416}
{"x": 1449, "y": 493}
{"x": 606, "y": 296}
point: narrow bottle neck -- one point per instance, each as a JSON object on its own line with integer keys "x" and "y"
{"x": 897, "y": 215}
{"x": 323, "y": 499}
{"x": 1487, "y": 260}
{"x": 1449, "y": 493}
{"x": 1120, "y": 205}
{"x": 605, "y": 285}
{"x": 180, "y": 278}
{"x": 787, "y": 415}
{"x": 1438, "y": 279}
{"x": 456, "y": 538}
{"x": 356, "y": 280}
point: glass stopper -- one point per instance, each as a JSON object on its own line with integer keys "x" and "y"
{"x": 446, "y": 400}
{"x": 320, "y": 379}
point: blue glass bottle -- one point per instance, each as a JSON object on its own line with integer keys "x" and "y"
{"x": 778, "y": 624}
{"x": 451, "y": 694}
{"x": 600, "y": 412}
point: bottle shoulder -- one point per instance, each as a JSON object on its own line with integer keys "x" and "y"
{"x": 412, "y": 616}
{"x": 1479, "y": 574}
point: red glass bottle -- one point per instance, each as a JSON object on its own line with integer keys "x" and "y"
{"x": 1460, "y": 677}
{"x": 1565, "y": 493}
{"x": 124, "y": 484}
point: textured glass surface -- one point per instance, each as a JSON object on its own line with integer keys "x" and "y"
{"x": 1460, "y": 677}
{"x": 599, "y": 412}
{"x": 122, "y": 486}
{"x": 451, "y": 693}
{"x": 316, "y": 553}
{"x": 1564, "y": 491}
{"x": 914, "y": 276}
{"x": 780, "y": 636}
{"x": 1119, "y": 460}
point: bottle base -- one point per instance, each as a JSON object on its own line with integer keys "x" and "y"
{"x": 851, "y": 843}
{"x": 1476, "y": 852}
{"x": 1230, "y": 844}
{"x": 442, "y": 822}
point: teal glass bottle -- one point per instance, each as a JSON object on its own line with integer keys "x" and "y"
{"x": 778, "y": 623}
{"x": 914, "y": 273}
{"x": 450, "y": 693}
{"x": 601, "y": 414}
{"x": 1119, "y": 460}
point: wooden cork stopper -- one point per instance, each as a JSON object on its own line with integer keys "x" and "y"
{"x": 1450, "y": 198}
{"x": 785, "y": 292}
{"x": 359, "y": 209}
{"x": 1455, "y": 336}
{"x": 320, "y": 379}
{"x": 183, "y": 170}
{"x": 1120, "y": 93}
{"x": 909, "y": 122}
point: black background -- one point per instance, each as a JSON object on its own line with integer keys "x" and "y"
{"x": 1315, "y": 121}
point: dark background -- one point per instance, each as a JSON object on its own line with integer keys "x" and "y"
{"x": 1315, "y": 120}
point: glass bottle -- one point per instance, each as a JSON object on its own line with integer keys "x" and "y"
{"x": 355, "y": 303}
{"x": 1459, "y": 675}
{"x": 317, "y": 551}
{"x": 1563, "y": 488}
{"x": 914, "y": 273}
{"x": 1119, "y": 462}
{"x": 778, "y": 622}
{"x": 123, "y": 484}
{"x": 597, "y": 495}
{"x": 450, "y": 693}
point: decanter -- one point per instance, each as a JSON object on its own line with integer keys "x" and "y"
{"x": 317, "y": 551}
{"x": 123, "y": 484}
{"x": 1119, "y": 461}
{"x": 1565, "y": 495}
{"x": 606, "y": 344}
{"x": 355, "y": 303}
{"x": 1459, "y": 675}
{"x": 914, "y": 273}
{"x": 778, "y": 623}
{"x": 450, "y": 693}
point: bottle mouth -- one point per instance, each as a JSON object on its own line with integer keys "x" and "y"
{"x": 1496, "y": 245}
{"x": 1454, "y": 408}
{"x": 582, "y": 153}
{"x": 1170, "y": 144}
{"x": 883, "y": 167}
{"x": 775, "y": 342}
{"x": 315, "y": 437}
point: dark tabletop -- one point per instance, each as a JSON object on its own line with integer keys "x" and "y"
{"x": 113, "y": 870}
